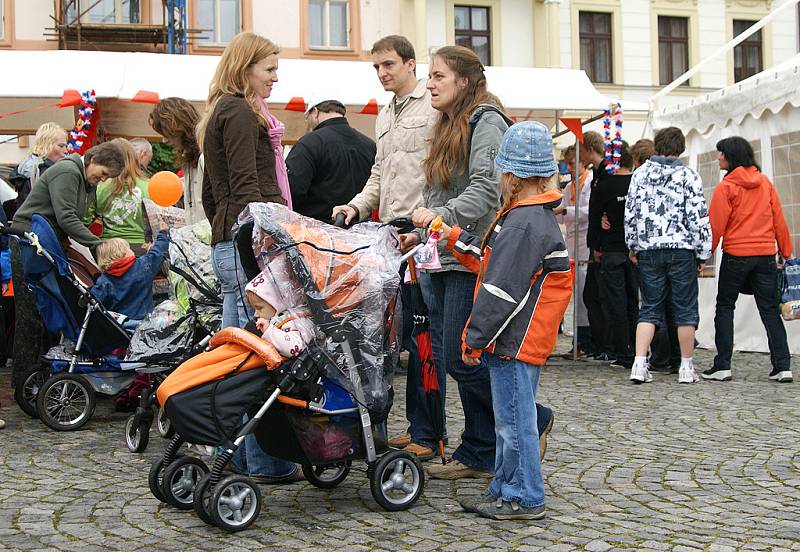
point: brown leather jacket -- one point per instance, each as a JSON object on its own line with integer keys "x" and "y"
{"x": 239, "y": 165}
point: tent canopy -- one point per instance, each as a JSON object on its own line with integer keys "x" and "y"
{"x": 769, "y": 90}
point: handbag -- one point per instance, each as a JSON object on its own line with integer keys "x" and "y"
{"x": 790, "y": 289}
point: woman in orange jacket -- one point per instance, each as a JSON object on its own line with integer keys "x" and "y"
{"x": 746, "y": 214}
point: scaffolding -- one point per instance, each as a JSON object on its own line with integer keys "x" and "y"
{"x": 125, "y": 30}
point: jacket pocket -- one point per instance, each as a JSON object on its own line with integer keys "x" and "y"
{"x": 410, "y": 134}
{"x": 492, "y": 155}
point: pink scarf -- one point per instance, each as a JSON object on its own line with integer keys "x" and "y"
{"x": 276, "y": 131}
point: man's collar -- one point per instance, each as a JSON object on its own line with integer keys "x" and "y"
{"x": 332, "y": 121}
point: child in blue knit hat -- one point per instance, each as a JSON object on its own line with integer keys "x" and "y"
{"x": 523, "y": 289}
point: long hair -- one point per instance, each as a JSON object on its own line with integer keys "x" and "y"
{"x": 47, "y": 136}
{"x": 131, "y": 171}
{"x": 176, "y": 119}
{"x": 738, "y": 153}
{"x": 231, "y": 76}
{"x": 512, "y": 186}
{"x": 449, "y": 145}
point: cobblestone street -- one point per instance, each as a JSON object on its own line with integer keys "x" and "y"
{"x": 664, "y": 466}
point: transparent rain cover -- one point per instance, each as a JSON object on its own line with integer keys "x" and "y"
{"x": 348, "y": 281}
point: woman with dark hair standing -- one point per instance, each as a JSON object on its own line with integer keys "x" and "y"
{"x": 463, "y": 187}
{"x": 176, "y": 120}
{"x": 746, "y": 214}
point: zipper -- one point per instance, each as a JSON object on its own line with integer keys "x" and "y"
{"x": 492, "y": 155}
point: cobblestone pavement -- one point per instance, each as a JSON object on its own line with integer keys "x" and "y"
{"x": 711, "y": 466}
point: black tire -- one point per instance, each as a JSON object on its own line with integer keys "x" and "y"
{"x": 137, "y": 434}
{"x": 328, "y": 476}
{"x": 202, "y": 499}
{"x": 27, "y": 389}
{"x": 236, "y": 503}
{"x": 397, "y": 480}
{"x": 154, "y": 479}
{"x": 70, "y": 411}
{"x": 163, "y": 425}
{"x": 180, "y": 479}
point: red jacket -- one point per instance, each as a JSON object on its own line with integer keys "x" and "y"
{"x": 746, "y": 213}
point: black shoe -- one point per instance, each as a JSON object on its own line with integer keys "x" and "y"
{"x": 665, "y": 368}
{"x": 717, "y": 374}
{"x": 604, "y": 357}
{"x": 781, "y": 375}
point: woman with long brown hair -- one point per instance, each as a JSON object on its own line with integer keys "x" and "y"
{"x": 236, "y": 136}
{"x": 176, "y": 120}
{"x": 463, "y": 187}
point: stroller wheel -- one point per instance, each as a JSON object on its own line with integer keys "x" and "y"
{"x": 180, "y": 480}
{"x": 235, "y": 503}
{"x": 28, "y": 387}
{"x": 155, "y": 478}
{"x": 163, "y": 425}
{"x": 137, "y": 434}
{"x": 397, "y": 480}
{"x": 202, "y": 499}
{"x": 65, "y": 402}
{"x": 328, "y": 476}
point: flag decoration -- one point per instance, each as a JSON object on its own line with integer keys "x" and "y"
{"x": 613, "y": 146}
{"x": 83, "y": 133}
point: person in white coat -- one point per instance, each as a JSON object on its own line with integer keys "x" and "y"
{"x": 566, "y": 216}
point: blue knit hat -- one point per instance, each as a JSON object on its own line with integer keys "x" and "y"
{"x": 526, "y": 150}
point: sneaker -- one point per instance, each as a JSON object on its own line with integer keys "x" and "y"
{"x": 500, "y": 509}
{"x": 569, "y": 354}
{"x": 781, "y": 376}
{"x": 640, "y": 374}
{"x": 687, "y": 374}
{"x": 545, "y": 432}
{"x": 421, "y": 451}
{"x": 718, "y": 374}
{"x": 456, "y": 470}
{"x": 621, "y": 364}
{"x": 400, "y": 441}
{"x": 604, "y": 357}
{"x": 471, "y": 503}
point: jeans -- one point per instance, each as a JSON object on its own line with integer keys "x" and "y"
{"x": 518, "y": 470}
{"x": 662, "y": 271}
{"x": 449, "y": 302}
{"x": 420, "y": 421}
{"x": 236, "y": 311}
{"x": 759, "y": 273}
{"x": 619, "y": 294}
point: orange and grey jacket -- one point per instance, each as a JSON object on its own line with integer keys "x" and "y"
{"x": 524, "y": 281}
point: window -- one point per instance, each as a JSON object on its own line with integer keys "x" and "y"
{"x": 219, "y": 19}
{"x": 105, "y": 11}
{"x": 329, "y": 24}
{"x": 2, "y": 20}
{"x": 596, "y": 52}
{"x": 673, "y": 48}
{"x": 747, "y": 60}
{"x": 472, "y": 31}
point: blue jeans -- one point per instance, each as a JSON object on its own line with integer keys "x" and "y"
{"x": 236, "y": 311}
{"x": 517, "y": 471}
{"x": 662, "y": 271}
{"x": 420, "y": 422}
{"x": 449, "y": 300}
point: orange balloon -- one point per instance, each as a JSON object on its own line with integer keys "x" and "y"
{"x": 165, "y": 188}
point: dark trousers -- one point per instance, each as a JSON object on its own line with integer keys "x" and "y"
{"x": 665, "y": 349}
{"x": 619, "y": 296}
{"x": 759, "y": 274}
{"x": 601, "y": 342}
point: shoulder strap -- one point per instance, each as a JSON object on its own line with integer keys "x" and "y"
{"x": 476, "y": 116}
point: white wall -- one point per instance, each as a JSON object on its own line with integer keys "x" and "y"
{"x": 784, "y": 35}
{"x": 437, "y": 24}
{"x": 636, "y": 49}
{"x": 711, "y": 28}
{"x": 378, "y": 19}
{"x": 278, "y": 20}
{"x": 565, "y": 22}
{"x": 31, "y": 18}
{"x": 516, "y": 40}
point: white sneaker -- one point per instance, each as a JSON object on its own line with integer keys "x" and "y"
{"x": 640, "y": 374}
{"x": 687, "y": 374}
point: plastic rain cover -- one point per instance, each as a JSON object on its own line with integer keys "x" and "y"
{"x": 166, "y": 335}
{"x": 347, "y": 281}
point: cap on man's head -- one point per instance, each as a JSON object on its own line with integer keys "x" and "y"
{"x": 325, "y": 105}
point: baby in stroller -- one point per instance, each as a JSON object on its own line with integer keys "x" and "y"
{"x": 125, "y": 285}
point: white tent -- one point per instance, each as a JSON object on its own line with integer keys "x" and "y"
{"x": 529, "y": 93}
{"x": 764, "y": 110}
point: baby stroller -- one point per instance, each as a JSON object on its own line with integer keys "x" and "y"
{"x": 322, "y": 409}
{"x": 64, "y": 390}
{"x": 177, "y": 329}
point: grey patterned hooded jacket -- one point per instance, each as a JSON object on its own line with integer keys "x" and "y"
{"x": 666, "y": 209}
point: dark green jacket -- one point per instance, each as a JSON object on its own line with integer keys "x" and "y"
{"x": 61, "y": 195}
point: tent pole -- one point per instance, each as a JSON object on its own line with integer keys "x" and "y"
{"x": 577, "y": 187}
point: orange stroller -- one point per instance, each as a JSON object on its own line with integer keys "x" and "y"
{"x": 322, "y": 409}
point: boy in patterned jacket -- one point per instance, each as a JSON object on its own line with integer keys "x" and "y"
{"x": 669, "y": 236}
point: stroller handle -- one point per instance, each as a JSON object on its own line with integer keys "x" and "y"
{"x": 339, "y": 222}
{"x": 9, "y": 231}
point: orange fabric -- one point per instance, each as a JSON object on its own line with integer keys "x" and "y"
{"x": 542, "y": 334}
{"x": 468, "y": 261}
{"x": 584, "y": 176}
{"x": 746, "y": 214}
{"x": 251, "y": 342}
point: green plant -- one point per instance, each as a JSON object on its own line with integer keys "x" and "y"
{"x": 163, "y": 158}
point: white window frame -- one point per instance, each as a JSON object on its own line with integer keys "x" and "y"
{"x": 216, "y": 39}
{"x": 326, "y": 28}
{"x": 117, "y": 14}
